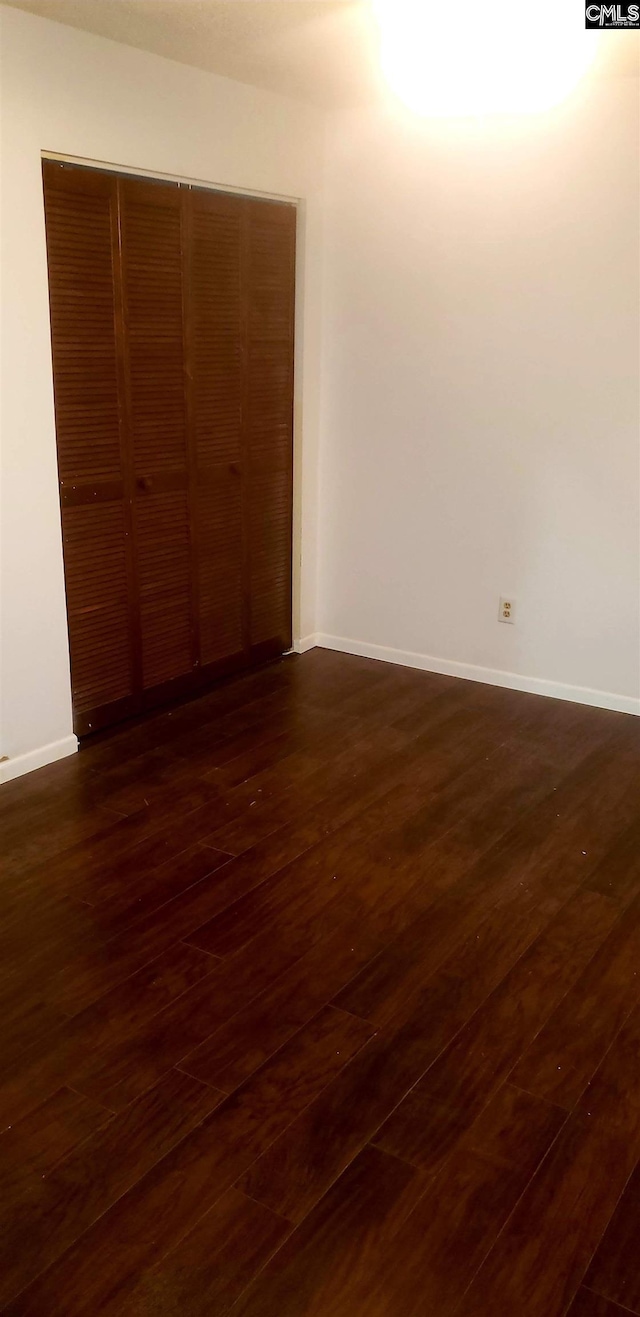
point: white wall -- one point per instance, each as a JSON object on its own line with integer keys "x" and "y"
{"x": 481, "y": 395}
{"x": 70, "y": 93}
{"x": 480, "y": 410}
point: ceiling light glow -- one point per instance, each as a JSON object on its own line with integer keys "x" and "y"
{"x": 476, "y": 57}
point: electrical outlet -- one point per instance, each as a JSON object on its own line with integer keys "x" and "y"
{"x": 507, "y": 609}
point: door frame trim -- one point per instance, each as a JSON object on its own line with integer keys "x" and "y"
{"x": 109, "y": 167}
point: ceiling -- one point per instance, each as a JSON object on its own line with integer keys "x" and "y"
{"x": 317, "y": 50}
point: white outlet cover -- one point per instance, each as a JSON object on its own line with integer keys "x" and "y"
{"x": 507, "y": 609}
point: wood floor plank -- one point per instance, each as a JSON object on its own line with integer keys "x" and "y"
{"x": 242, "y": 1042}
{"x": 154, "y": 841}
{"x": 545, "y": 1250}
{"x": 618, "y": 874}
{"x": 542, "y": 1254}
{"x": 248, "y": 1037}
{"x": 245, "y": 760}
{"x": 247, "y": 975}
{"x": 126, "y": 902}
{"x": 27, "y": 1023}
{"x": 588, "y": 1304}
{"x": 560, "y": 1061}
{"x": 31, "y": 1148}
{"x": 43, "y": 945}
{"x": 615, "y": 1269}
{"x": 421, "y": 828}
{"x": 126, "y": 1068}
{"x": 209, "y": 1269}
{"x": 567, "y": 824}
{"x": 146, "y": 825}
{"x": 371, "y": 763}
{"x": 453, "y": 1090}
{"x": 329, "y": 1263}
{"x": 42, "y": 1224}
{"x": 424, "y": 1263}
{"x": 168, "y": 1202}
{"x": 272, "y": 801}
{"x": 50, "y": 831}
{"x": 460, "y": 923}
{"x": 229, "y": 700}
{"x": 76, "y": 1048}
{"x": 310, "y": 881}
{"x": 293, "y": 1174}
{"x": 174, "y": 783}
{"x": 118, "y": 853}
{"x": 82, "y": 979}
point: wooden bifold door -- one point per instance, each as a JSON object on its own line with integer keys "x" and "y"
{"x": 172, "y": 318}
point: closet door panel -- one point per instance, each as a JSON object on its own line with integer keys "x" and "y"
{"x": 82, "y": 238}
{"x": 270, "y": 532}
{"x": 94, "y": 538}
{"x": 152, "y": 276}
{"x": 216, "y": 361}
{"x": 270, "y": 282}
{"x": 221, "y": 587}
{"x": 269, "y": 404}
{"x": 79, "y": 243}
{"x": 164, "y": 584}
{"x": 172, "y": 338}
{"x": 216, "y": 327}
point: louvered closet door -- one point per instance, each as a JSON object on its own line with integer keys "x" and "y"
{"x": 152, "y": 284}
{"x": 215, "y": 336}
{"x": 172, "y": 334}
{"x": 270, "y": 281}
{"x": 82, "y": 237}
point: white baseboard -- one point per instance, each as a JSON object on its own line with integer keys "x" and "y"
{"x": 307, "y": 642}
{"x": 48, "y": 754}
{"x": 490, "y": 676}
{"x": 45, "y": 754}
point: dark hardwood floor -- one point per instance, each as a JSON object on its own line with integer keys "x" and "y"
{"x": 321, "y": 996}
